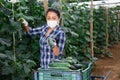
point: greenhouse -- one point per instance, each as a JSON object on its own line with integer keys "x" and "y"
{"x": 59, "y": 39}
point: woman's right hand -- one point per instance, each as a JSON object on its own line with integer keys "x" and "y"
{"x": 51, "y": 42}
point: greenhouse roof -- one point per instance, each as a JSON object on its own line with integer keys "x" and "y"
{"x": 108, "y": 3}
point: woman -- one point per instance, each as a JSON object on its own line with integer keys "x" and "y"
{"x": 52, "y": 38}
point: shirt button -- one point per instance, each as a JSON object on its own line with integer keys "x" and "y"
{"x": 48, "y": 53}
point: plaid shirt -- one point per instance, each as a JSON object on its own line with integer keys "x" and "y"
{"x": 46, "y": 51}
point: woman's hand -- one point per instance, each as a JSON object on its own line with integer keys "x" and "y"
{"x": 51, "y": 42}
{"x": 53, "y": 45}
{"x": 25, "y": 23}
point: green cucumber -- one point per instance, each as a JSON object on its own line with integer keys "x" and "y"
{"x": 72, "y": 67}
{"x": 69, "y": 58}
{"x": 78, "y": 66}
{"x": 59, "y": 64}
{"x": 59, "y": 68}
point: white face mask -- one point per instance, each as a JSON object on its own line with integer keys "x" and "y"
{"x": 52, "y": 23}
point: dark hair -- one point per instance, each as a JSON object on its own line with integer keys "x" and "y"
{"x": 53, "y": 10}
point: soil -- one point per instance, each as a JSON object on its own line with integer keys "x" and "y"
{"x": 106, "y": 64}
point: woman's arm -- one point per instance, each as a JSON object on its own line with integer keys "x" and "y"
{"x": 56, "y": 50}
{"x": 29, "y": 30}
{"x": 34, "y": 31}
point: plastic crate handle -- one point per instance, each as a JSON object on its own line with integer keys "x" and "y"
{"x": 35, "y": 75}
{"x": 55, "y": 74}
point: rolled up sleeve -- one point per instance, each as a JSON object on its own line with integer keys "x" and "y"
{"x": 35, "y": 31}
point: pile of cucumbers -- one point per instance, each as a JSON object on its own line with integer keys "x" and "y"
{"x": 68, "y": 63}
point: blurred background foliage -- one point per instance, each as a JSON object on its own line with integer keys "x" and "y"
{"x": 19, "y": 52}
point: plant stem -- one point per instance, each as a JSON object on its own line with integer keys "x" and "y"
{"x": 14, "y": 47}
{"x": 13, "y": 11}
{"x": 13, "y": 14}
{"x": 19, "y": 31}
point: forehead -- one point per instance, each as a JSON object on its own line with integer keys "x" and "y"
{"x": 52, "y": 13}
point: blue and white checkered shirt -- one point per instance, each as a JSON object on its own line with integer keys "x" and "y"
{"x": 46, "y": 51}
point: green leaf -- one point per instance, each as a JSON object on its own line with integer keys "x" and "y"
{"x": 109, "y": 54}
{"x": 88, "y": 55}
{"x": 19, "y": 15}
{"x": 87, "y": 39}
{"x": 88, "y": 32}
{"x": 23, "y": 8}
{"x": 74, "y": 34}
{"x": 14, "y": 25}
{"x": 22, "y": 47}
{"x": 28, "y": 17}
{"x": 9, "y": 54}
{"x": 3, "y": 55}
{"x": 2, "y": 48}
{"x": 8, "y": 70}
{"x": 56, "y": 5}
{"x": 26, "y": 68}
{"x": 19, "y": 66}
{"x": 1, "y": 0}
{"x": 5, "y": 42}
{"x": 31, "y": 62}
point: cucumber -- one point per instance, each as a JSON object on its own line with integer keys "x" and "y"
{"x": 69, "y": 61}
{"x": 72, "y": 67}
{"x": 69, "y": 58}
{"x": 59, "y": 64}
{"x": 78, "y": 66}
{"x": 59, "y": 68}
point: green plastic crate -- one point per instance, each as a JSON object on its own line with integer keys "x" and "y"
{"x": 49, "y": 74}
{"x": 86, "y": 74}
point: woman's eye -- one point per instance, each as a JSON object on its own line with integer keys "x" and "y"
{"x": 48, "y": 18}
{"x": 54, "y": 18}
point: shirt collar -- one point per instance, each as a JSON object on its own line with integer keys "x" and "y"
{"x": 57, "y": 27}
